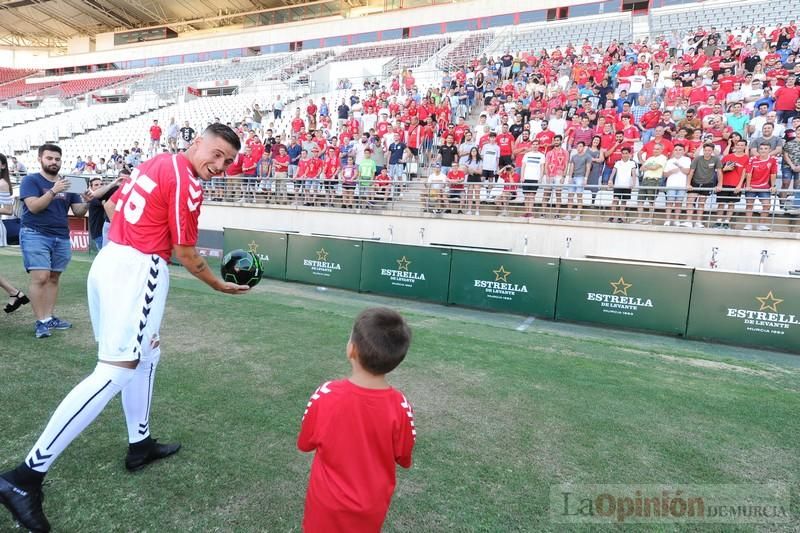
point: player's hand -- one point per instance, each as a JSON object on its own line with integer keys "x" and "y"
{"x": 60, "y": 185}
{"x": 231, "y": 288}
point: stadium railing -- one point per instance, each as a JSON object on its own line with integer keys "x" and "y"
{"x": 780, "y": 212}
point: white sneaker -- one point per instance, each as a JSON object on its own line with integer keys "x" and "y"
{"x": 576, "y": 217}
{"x": 747, "y": 227}
{"x": 699, "y": 225}
{"x": 686, "y": 224}
{"x": 637, "y": 221}
{"x": 647, "y": 222}
{"x": 469, "y": 212}
{"x": 667, "y": 222}
{"x": 568, "y": 217}
{"x": 477, "y": 213}
{"x": 762, "y": 227}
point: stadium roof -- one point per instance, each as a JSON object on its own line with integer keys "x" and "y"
{"x": 50, "y": 23}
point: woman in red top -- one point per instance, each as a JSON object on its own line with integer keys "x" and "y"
{"x": 330, "y": 174}
{"x": 510, "y": 185}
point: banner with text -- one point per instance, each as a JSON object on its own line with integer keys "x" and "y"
{"x": 513, "y": 283}
{"x": 627, "y": 295}
{"x": 269, "y": 246}
{"x": 324, "y": 261}
{"x": 746, "y": 309}
{"x": 420, "y": 272}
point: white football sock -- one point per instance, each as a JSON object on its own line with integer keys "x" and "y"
{"x": 136, "y": 397}
{"x": 76, "y": 411}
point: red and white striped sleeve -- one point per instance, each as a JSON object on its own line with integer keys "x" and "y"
{"x": 406, "y": 435}
{"x": 308, "y": 439}
{"x": 183, "y": 202}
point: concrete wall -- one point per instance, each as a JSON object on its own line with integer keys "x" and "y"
{"x": 738, "y": 251}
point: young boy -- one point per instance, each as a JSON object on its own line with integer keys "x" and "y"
{"x": 360, "y": 427}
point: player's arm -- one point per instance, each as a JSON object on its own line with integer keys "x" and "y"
{"x": 110, "y": 206}
{"x": 405, "y": 436}
{"x": 307, "y": 439}
{"x": 197, "y": 266}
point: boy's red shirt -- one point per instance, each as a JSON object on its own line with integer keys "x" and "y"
{"x": 359, "y": 435}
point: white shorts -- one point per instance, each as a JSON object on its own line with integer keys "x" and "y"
{"x": 127, "y": 295}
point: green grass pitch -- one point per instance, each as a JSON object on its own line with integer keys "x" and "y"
{"x": 502, "y": 414}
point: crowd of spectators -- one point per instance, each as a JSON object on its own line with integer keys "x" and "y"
{"x": 694, "y": 123}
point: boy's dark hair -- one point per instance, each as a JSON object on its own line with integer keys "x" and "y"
{"x": 48, "y": 147}
{"x": 381, "y": 338}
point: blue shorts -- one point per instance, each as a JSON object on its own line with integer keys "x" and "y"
{"x": 761, "y": 195}
{"x": 676, "y": 195}
{"x": 42, "y": 252}
{"x": 788, "y": 179}
{"x": 576, "y": 185}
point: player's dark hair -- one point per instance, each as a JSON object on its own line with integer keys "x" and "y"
{"x": 381, "y": 338}
{"x": 48, "y": 147}
{"x": 225, "y": 133}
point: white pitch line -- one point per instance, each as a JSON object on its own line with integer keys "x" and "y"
{"x": 528, "y": 321}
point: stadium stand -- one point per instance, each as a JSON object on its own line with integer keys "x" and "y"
{"x": 12, "y": 74}
{"x": 517, "y": 76}
{"x": 409, "y": 53}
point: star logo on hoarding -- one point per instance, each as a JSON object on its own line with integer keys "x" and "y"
{"x": 252, "y": 247}
{"x": 322, "y": 255}
{"x": 768, "y": 302}
{"x": 402, "y": 264}
{"x": 501, "y": 274}
{"x": 620, "y": 287}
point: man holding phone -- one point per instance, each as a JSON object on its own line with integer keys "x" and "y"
{"x": 44, "y": 235}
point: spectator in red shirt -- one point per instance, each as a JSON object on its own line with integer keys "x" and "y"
{"x": 510, "y": 185}
{"x": 455, "y": 181}
{"x": 734, "y": 170}
{"x": 311, "y": 114}
{"x": 359, "y": 428}
{"x": 297, "y": 122}
{"x": 249, "y": 181}
{"x": 155, "y": 139}
{"x": 280, "y": 166}
{"x": 760, "y": 183}
{"x": 785, "y": 98}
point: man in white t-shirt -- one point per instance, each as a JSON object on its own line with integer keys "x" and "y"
{"x": 623, "y": 180}
{"x": 490, "y": 155}
{"x": 434, "y": 199}
{"x": 532, "y": 172}
{"x": 677, "y": 172}
{"x": 557, "y": 123}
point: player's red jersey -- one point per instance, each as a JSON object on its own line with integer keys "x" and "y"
{"x": 297, "y": 124}
{"x": 761, "y": 171}
{"x": 155, "y": 132}
{"x": 359, "y": 435}
{"x": 158, "y": 206}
